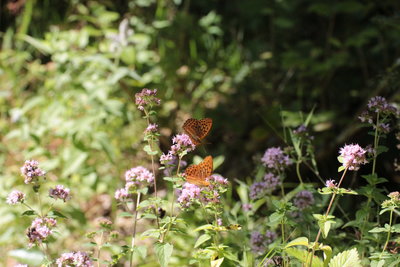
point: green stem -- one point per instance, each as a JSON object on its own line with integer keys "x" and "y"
{"x": 298, "y": 171}
{"x": 134, "y": 228}
{"x": 326, "y": 214}
{"x": 376, "y": 141}
{"x": 388, "y": 234}
{"x": 99, "y": 248}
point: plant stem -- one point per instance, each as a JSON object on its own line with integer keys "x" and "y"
{"x": 389, "y": 232}
{"x": 376, "y": 141}
{"x": 326, "y": 214}
{"x": 134, "y": 228}
{"x": 99, "y": 248}
{"x": 298, "y": 171}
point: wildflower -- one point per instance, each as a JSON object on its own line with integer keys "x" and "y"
{"x": 31, "y": 171}
{"x": 138, "y": 176}
{"x": 152, "y": 128}
{"x": 247, "y": 207}
{"x": 15, "y": 197}
{"x": 366, "y": 117}
{"x": 303, "y": 199}
{"x": 274, "y": 158}
{"x": 353, "y": 156}
{"x": 189, "y": 193}
{"x": 181, "y": 144}
{"x": 167, "y": 159}
{"x": 219, "y": 221}
{"x": 378, "y": 104}
{"x": 257, "y": 190}
{"x": 146, "y": 98}
{"x": 271, "y": 182}
{"x": 104, "y": 222}
{"x": 79, "y": 258}
{"x": 383, "y": 127}
{"x": 40, "y": 229}
{"x": 59, "y": 192}
{"x": 330, "y": 183}
{"x": 270, "y": 237}
{"x": 121, "y": 194}
{"x": 216, "y": 180}
{"x": 300, "y": 130}
{"x": 257, "y": 242}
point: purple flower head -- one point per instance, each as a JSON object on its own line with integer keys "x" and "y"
{"x": 383, "y": 128}
{"x": 15, "y": 197}
{"x": 353, "y": 156}
{"x": 275, "y": 159}
{"x": 303, "y": 199}
{"x": 219, "y": 221}
{"x": 146, "y": 98}
{"x": 247, "y": 207}
{"x": 257, "y": 190}
{"x": 138, "y": 176}
{"x": 40, "y": 229}
{"x": 121, "y": 194}
{"x": 216, "y": 181}
{"x": 270, "y": 237}
{"x": 31, "y": 171}
{"x": 366, "y": 117}
{"x": 181, "y": 144}
{"x": 152, "y": 128}
{"x": 378, "y": 104}
{"x": 271, "y": 182}
{"x": 79, "y": 258}
{"x": 259, "y": 242}
{"x": 300, "y": 130}
{"x": 59, "y": 192}
{"x": 188, "y": 194}
{"x": 330, "y": 183}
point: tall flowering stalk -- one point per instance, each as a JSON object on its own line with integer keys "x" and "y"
{"x": 351, "y": 157}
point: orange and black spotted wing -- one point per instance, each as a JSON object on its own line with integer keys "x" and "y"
{"x": 197, "y": 129}
{"x": 197, "y": 174}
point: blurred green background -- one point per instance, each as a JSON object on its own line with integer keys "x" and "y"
{"x": 69, "y": 70}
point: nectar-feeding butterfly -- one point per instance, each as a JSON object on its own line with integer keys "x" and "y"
{"x": 197, "y": 129}
{"x": 197, "y": 174}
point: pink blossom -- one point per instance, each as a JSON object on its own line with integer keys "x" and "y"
{"x": 79, "y": 258}
{"x": 138, "y": 176}
{"x": 275, "y": 159}
{"x": 15, "y": 197}
{"x": 353, "y": 156}
{"x": 59, "y": 192}
{"x": 31, "y": 171}
{"x": 330, "y": 183}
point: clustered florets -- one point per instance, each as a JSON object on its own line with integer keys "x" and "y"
{"x": 191, "y": 193}
{"x": 79, "y": 258}
{"x": 135, "y": 178}
{"x": 31, "y": 171}
{"x": 303, "y": 199}
{"x": 259, "y": 242}
{"x": 353, "y": 156}
{"x": 269, "y": 183}
{"x": 146, "y": 98}
{"x": 60, "y": 192}
{"x": 275, "y": 159}
{"x": 152, "y": 128}
{"x": 181, "y": 144}
{"x": 40, "y": 229}
{"x": 15, "y": 197}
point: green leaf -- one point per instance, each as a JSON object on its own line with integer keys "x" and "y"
{"x": 55, "y": 213}
{"x": 141, "y": 251}
{"x": 204, "y": 227}
{"x": 125, "y": 214}
{"x": 304, "y": 256}
{"x": 348, "y": 258}
{"x": 378, "y": 230}
{"x": 203, "y": 238}
{"x": 28, "y": 213}
{"x": 217, "y": 263}
{"x": 300, "y": 241}
{"x": 163, "y": 253}
{"x": 32, "y": 257}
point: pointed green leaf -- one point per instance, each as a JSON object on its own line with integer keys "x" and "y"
{"x": 202, "y": 239}
{"x": 163, "y": 253}
{"x": 348, "y": 258}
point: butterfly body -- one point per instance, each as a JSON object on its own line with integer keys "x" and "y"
{"x": 198, "y": 174}
{"x": 197, "y": 129}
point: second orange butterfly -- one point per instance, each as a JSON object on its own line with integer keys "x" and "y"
{"x": 197, "y": 129}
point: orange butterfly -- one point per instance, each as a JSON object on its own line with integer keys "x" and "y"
{"x": 197, "y": 174}
{"x": 197, "y": 129}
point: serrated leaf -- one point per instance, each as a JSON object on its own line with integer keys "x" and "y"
{"x": 203, "y": 238}
{"x": 163, "y": 253}
{"x": 348, "y": 258}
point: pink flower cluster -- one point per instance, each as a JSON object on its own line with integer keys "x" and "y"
{"x": 15, "y": 197}
{"x": 40, "y": 229}
{"x": 353, "y": 156}
{"x": 275, "y": 159}
{"x": 330, "y": 183}
{"x": 135, "y": 178}
{"x": 181, "y": 145}
{"x": 59, "y": 192}
{"x": 31, "y": 171}
{"x": 209, "y": 194}
{"x": 78, "y": 258}
{"x": 152, "y": 128}
{"x": 146, "y": 98}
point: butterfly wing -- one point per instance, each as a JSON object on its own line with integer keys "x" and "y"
{"x": 197, "y": 174}
{"x": 197, "y": 129}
